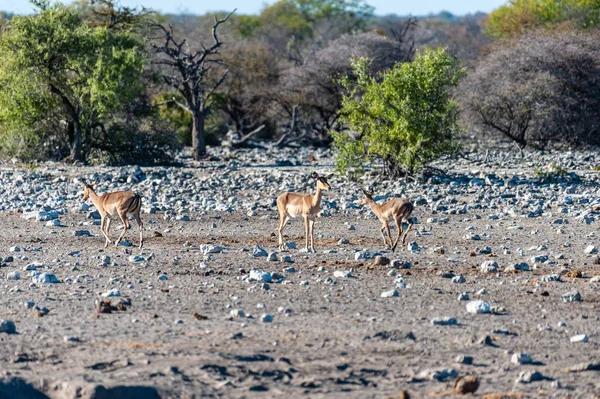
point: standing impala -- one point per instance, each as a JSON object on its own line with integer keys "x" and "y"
{"x": 120, "y": 204}
{"x": 399, "y": 209}
{"x": 291, "y": 205}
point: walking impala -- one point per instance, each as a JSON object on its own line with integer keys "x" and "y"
{"x": 119, "y": 204}
{"x": 291, "y": 205}
{"x": 399, "y": 209}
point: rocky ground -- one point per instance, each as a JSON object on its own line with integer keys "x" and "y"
{"x": 499, "y": 280}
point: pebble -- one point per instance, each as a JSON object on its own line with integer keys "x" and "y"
{"x": 489, "y": 266}
{"x": 521, "y": 358}
{"x": 590, "y": 249}
{"x": 237, "y": 313}
{"x": 258, "y": 252}
{"x": 8, "y": 326}
{"x": 342, "y": 274}
{"x": 526, "y": 377}
{"x": 45, "y": 278}
{"x": 272, "y": 257}
{"x": 478, "y": 306}
{"x": 579, "y": 338}
{"x": 389, "y": 294}
{"x": 266, "y": 318}
{"x": 260, "y": 276}
{"x": 444, "y": 321}
{"x": 82, "y": 233}
{"x": 463, "y": 296}
{"x": 401, "y": 264}
{"x": 112, "y": 293}
{"x": 458, "y": 279}
{"x": 12, "y": 276}
{"x": 571, "y": 296}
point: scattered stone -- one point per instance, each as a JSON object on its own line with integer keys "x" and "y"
{"x": 45, "y": 278}
{"x": 530, "y": 376}
{"x": 163, "y": 277}
{"x": 590, "y": 249}
{"x": 342, "y": 274}
{"x": 466, "y": 385}
{"x": 237, "y": 313}
{"x": 521, "y": 358}
{"x": 458, "y": 279}
{"x": 112, "y": 292}
{"x": 8, "y": 326}
{"x": 389, "y": 294}
{"x": 437, "y": 374}
{"x": 13, "y": 276}
{"x": 571, "y": 296}
{"x": 362, "y": 255}
{"x": 462, "y": 359}
{"x": 381, "y": 261}
{"x": 82, "y": 233}
{"x": 260, "y": 276}
{"x": 463, "y": 296}
{"x": 343, "y": 241}
{"x": 413, "y": 247}
{"x": 489, "y": 266}
{"x": 266, "y": 318}
{"x": 550, "y": 278}
{"x": 210, "y": 249}
{"x": 478, "y": 306}
{"x": 444, "y": 321}
{"x": 272, "y": 257}
{"x": 579, "y": 338}
{"x": 258, "y": 252}
{"x": 401, "y": 264}
{"x": 135, "y": 259}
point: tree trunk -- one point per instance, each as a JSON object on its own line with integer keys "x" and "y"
{"x": 76, "y": 153}
{"x": 198, "y": 143}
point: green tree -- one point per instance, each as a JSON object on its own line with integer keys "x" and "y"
{"x": 56, "y": 66}
{"x": 404, "y": 116}
{"x": 519, "y": 16}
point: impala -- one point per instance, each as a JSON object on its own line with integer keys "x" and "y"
{"x": 120, "y": 204}
{"x": 397, "y": 208}
{"x": 291, "y": 205}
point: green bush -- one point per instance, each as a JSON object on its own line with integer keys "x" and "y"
{"x": 404, "y": 116}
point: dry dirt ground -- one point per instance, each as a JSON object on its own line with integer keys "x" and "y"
{"x": 177, "y": 340}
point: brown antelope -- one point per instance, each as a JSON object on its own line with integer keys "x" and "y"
{"x": 120, "y": 204}
{"x": 399, "y": 209}
{"x": 291, "y": 205}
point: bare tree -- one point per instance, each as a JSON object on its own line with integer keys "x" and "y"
{"x": 188, "y": 72}
{"x": 538, "y": 89}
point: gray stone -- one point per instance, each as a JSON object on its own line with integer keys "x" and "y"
{"x": 342, "y": 274}
{"x": 82, "y": 233}
{"x": 579, "y": 338}
{"x": 13, "y": 276}
{"x": 530, "y": 376}
{"x": 45, "y": 278}
{"x": 591, "y": 250}
{"x": 259, "y": 276}
{"x": 571, "y": 296}
{"x": 272, "y": 257}
{"x": 478, "y": 306}
{"x": 401, "y": 264}
{"x": 389, "y": 294}
{"x": 258, "y": 252}
{"x": 489, "y": 266}
{"x": 237, "y": 313}
{"x": 521, "y": 358}
{"x": 443, "y": 321}
{"x": 266, "y": 318}
{"x": 7, "y": 326}
{"x": 458, "y": 279}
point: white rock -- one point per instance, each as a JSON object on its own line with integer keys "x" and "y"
{"x": 260, "y": 276}
{"x": 478, "y": 306}
{"x": 237, "y": 313}
{"x": 45, "y": 278}
{"x": 13, "y": 276}
{"x": 112, "y": 292}
{"x": 489, "y": 266}
{"x": 210, "y": 249}
{"x": 342, "y": 273}
{"x": 579, "y": 338}
{"x": 389, "y": 294}
{"x": 591, "y": 250}
{"x": 258, "y": 252}
{"x": 521, "y": 358}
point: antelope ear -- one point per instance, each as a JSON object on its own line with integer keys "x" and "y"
{"x": 371, "y": 191}
{"x": 329, "y": 176}
{"x": 364, "y": 192}
{"x": 315, "y": 175}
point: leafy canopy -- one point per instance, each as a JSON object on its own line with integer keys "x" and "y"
{"x": 55, "y": 66}
{"x": 519, "y": 16}
{"x": 403, "y": 116}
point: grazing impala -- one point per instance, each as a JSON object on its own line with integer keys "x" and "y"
{"x": 399, "y": 209}
{"x": 120, "y": 204}
{"x": 291, "y": 205}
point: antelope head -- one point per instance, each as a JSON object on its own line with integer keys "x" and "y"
{"x": 322, "y": 182}
{"x": 86, "y": 190}
{"x": 367, "y": 196}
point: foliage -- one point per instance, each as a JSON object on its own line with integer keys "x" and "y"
{"x": 554, "y": 173}
{"x": 403, "y": 116}
{"x": 538, "y": 89}
{"x": 519, "y": 16}
{"x": 59, "y": 71}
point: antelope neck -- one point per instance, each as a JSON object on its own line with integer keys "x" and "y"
{"x": 316, "y": 199}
